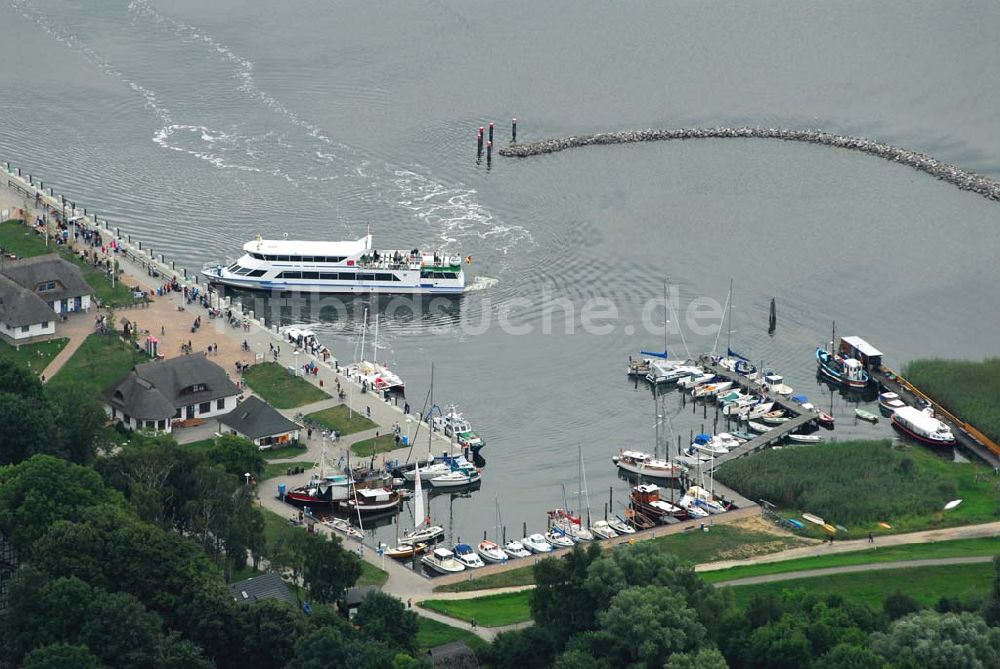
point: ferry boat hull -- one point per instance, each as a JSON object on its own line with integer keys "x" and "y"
{"x": 829, "y": 371}
{"x": 912, "y": 434}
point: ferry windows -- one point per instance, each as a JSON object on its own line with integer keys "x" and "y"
{"x": 256, "y": 273}
{"x": 282, "y": 258}
{"x": 310, "y": 275}
{"x": 366, "y": 277}
{"x": 290, "y": 275}
{"x": 328, "y": 276}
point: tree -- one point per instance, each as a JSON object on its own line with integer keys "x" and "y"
{"x": 706, "y": 658}
{"x": 326, "y": 647}
{"x": 327, "y": 569}
{"x": 17, "y": 380}
{"x": 78, "y": 418}
{"x": 530, "y": 648}
{"x": 384, "y": 618}
{"x": 578, "y": 659}
{"x": 24, "y": 428}
{"x": 61, "y": 656}
{"x": 115, "y": 627}
{"x": 779, "y": 644}
{"x": 237, "y": 456}
{"x": 942, "y": 641}
{"x": 559, "y": 601}
{"x": 272, "y": 629}
{"x": 648, "y": 623}
{"x": 847, "y": 656}
{"x": 44, "y": 489}
{"x": 899, "y": 604}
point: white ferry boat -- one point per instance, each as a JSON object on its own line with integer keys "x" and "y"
{"x": 340, "y": 267}
{"x": 922, "y": 426}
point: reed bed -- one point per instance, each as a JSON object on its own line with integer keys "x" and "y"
{"x": 970, "y": 390}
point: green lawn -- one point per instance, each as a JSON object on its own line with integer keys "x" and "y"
{"x": 279, "y": 388}
{"x": 277, "y": 469}
{"x": 385, "y": 443}
{"x": 859, "y": 484}
{"x": 925, "y": 584}
{"x": 721, "y": 542}
{"x": 939, "y": 549}
{"x": 967, "y": 389}
{"x": 100, "y": 361}
{"x": 200, "y": 445}
{"x": 488, "y": 611}
{"x": 342, "y": 419}
{"x": 521, "y": 576}
{"x": 432, "y": 633}
{"x": 725, "y": 542}
{"x": 25, "y": 243}
{"x": 283, "y": 453}
{"x": 372, "y": 575}
{"x": 33, "y": 357}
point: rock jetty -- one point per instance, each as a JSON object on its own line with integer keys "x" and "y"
{"x": 985, "y": 186}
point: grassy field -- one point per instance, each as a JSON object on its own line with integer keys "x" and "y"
{"x": 342, "y": 419}
{"x": 721, "y": 542}
{"x": 33, "y": 357}
{"x": 940, "y": 549}
{"x": 100, "y": 361}
{"x": 488, "y": 611}
{"x": 276, "y": 469}
{"x": 967, "y": 389}
{"x": 279, "y": 388}
{"x": 384, "y": 444}
{"x": 200, "y": 445}
{"x": 432, "y": 633}
{"x": 859, "y": 484}
{"x": 372, "y": 575}
{"x": 25, "y": 243}
{"x": 925, "y": 584}
{"x": 283, "y": 452}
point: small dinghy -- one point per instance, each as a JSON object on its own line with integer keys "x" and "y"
{"x": 866, "y": 415}
{"x": 805, "y": 438}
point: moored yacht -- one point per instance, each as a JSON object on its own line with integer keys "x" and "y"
{"x": 443, "y": 561}
{"x": 351, "y": 267}
{"x": 647, "y": 466}
{"x": 922, "y": 426}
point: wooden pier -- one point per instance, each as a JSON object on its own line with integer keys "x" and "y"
{"x": 968, "y": 437}
{"x": 800, "y": 416}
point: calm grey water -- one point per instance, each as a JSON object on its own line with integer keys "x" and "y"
{"x": 195, "y": 126}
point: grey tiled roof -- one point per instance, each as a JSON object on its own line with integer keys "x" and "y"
{"x": 30, "y": 272}
{"x": 19, "y": 306}
{"x": 263, "y": 586}
{"x": 155, "y": 390}
{"x": 254, "y": 419}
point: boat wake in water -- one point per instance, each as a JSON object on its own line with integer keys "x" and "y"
{"x": 988, "y": 188}
{"x": 303, "y": 154}
{"x": 481, "y": 283}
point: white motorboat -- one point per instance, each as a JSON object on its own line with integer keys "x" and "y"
{"x": 559, "y": 539}
{"x": 805, "y": 438}
{"x": 711, "y": 389}
{"x": 620, "y": 526}
{"x": 756, "y": 411}
{"x": 775, "y": 383}
{"x": 922, "y": 426}
{"x": 443, "y": 561}
{"x": 342, "y": 525}
{"x": 774, "y": 420}
{"x": 455, "y": 426}
{"x": 491, "y": 552}
{"x": 705, "y": 443}
{"x": 739, "y": 406}
{"x": 467, "y": 556}
{"x": 602, "y": 530}
{"x": 647, "y": 466}
{"x": 456, "y": 479}
{"x": 536, "y": 543}
{"x": 516, "y": 549}
{"x": 758, "y": 427}
{"x": 704, "y": 499}
{"x": 663, "y": 372}
{"x": 423, "y": 535}
{"x": 351, "y": 267}
{"x": 691, "y": 506}
{"x": 427, "y": 472}
{"x": 890, "y": 401}
{"x": 727, "y": 440}
{"x": 695, "y": 380}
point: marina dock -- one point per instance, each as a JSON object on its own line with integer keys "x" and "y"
{"x": 801, "y": 416}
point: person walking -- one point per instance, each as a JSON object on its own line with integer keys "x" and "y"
{"x": 871, "y": 538}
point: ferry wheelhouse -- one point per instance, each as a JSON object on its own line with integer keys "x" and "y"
{"x": 339, "y": 267}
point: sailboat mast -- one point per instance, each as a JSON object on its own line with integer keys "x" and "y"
{"x": 430, "y": 447}
{"x": 375, "y": 342}
{"x": 364, "y": 329}
{"x": 666, "y": 312}
{"x": 729, "y": 337}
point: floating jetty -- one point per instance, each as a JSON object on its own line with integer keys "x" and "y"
{"x": 802, "y": 417}
{"x": 965, "y": 180}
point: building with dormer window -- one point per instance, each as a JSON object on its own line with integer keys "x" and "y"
{"x": 156, "y": 395}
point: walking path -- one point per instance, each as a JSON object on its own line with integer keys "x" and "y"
{"x": 76, "y": 328}
{"x": 850, "y": 569}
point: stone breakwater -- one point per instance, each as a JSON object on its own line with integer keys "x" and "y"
{"x": 985, "y": 186}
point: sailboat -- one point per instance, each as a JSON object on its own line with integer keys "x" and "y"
{"x": 378, "y": 377}
{"x": 733, "y": 360}
{"x": 491, "y": 550}
{"x": 418, "y": 535}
